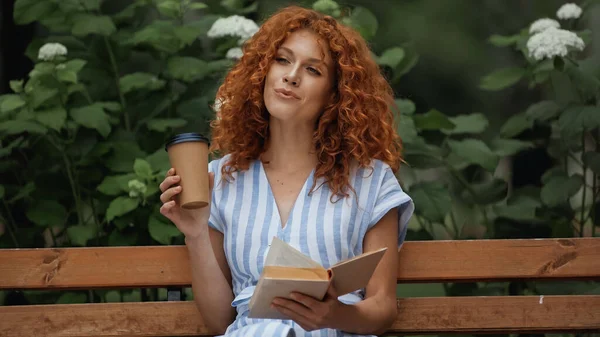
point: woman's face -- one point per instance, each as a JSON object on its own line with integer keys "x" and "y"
{"x": 300, "y": 80}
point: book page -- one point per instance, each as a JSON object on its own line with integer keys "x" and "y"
{"x": 283, "y": 255}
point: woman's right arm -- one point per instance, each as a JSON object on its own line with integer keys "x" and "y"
{"x": 211, "y": 276}
{"x": 211, "y": 279}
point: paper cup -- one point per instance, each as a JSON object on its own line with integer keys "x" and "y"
{"x": 188, "y": 155}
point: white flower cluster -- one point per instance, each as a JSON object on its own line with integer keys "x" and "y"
{"x": 569, "y": 11}
{"x": 50, "y": 51}
{"x": 234, "y": 53}
{"x": 235, "y": 25}
{"x": 553, "y": 42}
{"x": 541, "y": 25}
{"x": 549, "y": 41}
{"x": 136, "y": 188}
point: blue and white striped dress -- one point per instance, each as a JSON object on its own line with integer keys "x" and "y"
{"x": 244, "y": 210}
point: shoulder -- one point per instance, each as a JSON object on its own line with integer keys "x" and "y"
{"x": 216, "y": 164}
{"x": 375, "y": 171}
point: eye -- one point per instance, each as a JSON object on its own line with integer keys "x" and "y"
{"x": 314, "y": 71}
{"x": 281, "y": 60}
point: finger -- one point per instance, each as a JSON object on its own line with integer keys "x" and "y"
{"x": 294, "y": 306}
{"x": 331, "y": 292}
{"x": 170, "y": 193}
{"x": 166, "y": 209}
{"x": 170, "y": 172}
{"x": 303, "y": 321}
{"x": 168, "y": 182}
{"x": 306, "y": 301}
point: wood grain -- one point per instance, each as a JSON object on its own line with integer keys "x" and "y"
{"x": 420, "y": 261}
{"x": 527, "y": 314}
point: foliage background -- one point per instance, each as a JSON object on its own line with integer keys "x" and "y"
{"x": 483, "y": 159}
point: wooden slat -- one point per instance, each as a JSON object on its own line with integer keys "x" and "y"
{"x": 499, "y": 260}
{"x": 526, "y": 314}
{"x": 420, "y": 261}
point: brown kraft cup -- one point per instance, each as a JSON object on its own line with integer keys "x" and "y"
{"x": 188, "y": 155}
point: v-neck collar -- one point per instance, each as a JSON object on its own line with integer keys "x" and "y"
{"x": 271, "y": 196}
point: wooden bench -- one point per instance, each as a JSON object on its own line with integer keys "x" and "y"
{"x": 420, "y": 261}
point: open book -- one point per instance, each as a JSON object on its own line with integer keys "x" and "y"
{"x": 287, "y": 270}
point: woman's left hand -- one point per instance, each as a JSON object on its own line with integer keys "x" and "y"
{"x": 310, "y": 313}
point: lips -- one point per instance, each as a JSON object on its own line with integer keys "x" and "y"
{"x": 286, "y": 93}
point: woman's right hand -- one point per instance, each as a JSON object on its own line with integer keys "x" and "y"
{"x": 191, "y": 222}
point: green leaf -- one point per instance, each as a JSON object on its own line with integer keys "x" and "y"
{"x": 405, "y": 106}
{"x": 53, "y": 118}
{"x": 159, "y": 160}
{"x": 93, "y": 117}
{"x": 110, "y": 106}
{"x": 189, "y": 32}
{"x": 161, "y": 125}
{"x": 433, "y": 200}
{"x": 16, "y": 86}
{"x": 28, "y": 11}
{"x": 170, "y": 8}
{"x": 432, "y": 120}
{"x": 197, "y": 5}
{"x": 133, "y": 296}
{"x": 578, "y": 118}
{"x": 592, "y": 160}
{"x": 473, "y": 123}
{"x": 85, "y": 24}
{"x": 123, "y": 156}
{"x": 188, "y": 69}
{"x": 392, "y": 57}
{"x": 140, "y": 81}
{"x": 502, "y": 78}
{"x": 42, "y": 68}
{"x": 117, "y": 238}
{"x": 410, "y": 59}
{"x": 129, "y": 11}
{"x": 161, "y": 231}
{"x": 406, "y": 129}
{"x": 485, "y": 193}
{"x": 112, "y": 296}
{"x": 11, "y": 102}
{"x": 364, "y": 21}
{"x": 508, "y": 147}
{"x": 67, "y": 72}
{"x": 23, "y": 192}
{"x": 142, "y": 168}
{"x": 475, "y": 152}
{"x": 519, "y": 208}
{"x": 19, "y": 142}
{"x": 422, "y": 155}
{"x": 47, "y": 213}
{"x": 115, "y": 185}
{"x": 19, "y": 126}
{"x": 71, "y": 297}
{"x": 120, "y": 206}
{"x": 40, "y": 95}
{"x": 80, "y": 234}
{"x": 515, "y": 125}
{"x": 2, "y": 191}
{"x": 504, "y": 41}
{"x": 543, "y": 111}
{"x": 559, "y": 188}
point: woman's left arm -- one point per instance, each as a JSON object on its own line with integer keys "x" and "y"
{"x": 372, "y": 316}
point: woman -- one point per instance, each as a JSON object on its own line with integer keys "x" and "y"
{"x": 306, "y": 131}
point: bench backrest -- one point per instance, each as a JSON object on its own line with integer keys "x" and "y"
{"x": 419, "y": 261}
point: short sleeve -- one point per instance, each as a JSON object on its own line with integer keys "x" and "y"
{"x": 215, "y": 220}
{"x": 390, "y": 195}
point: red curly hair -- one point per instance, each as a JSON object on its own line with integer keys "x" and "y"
{"x": 357, "y": 124}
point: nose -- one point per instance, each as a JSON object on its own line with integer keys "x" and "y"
{"x": 292, "y": 79}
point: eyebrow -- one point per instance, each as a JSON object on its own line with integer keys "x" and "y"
{"x": 310, "y": 60}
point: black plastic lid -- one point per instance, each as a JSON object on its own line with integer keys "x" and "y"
{"x": 186, "y": 137}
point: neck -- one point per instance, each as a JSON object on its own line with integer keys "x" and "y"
{"x": 290, "y": 147}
